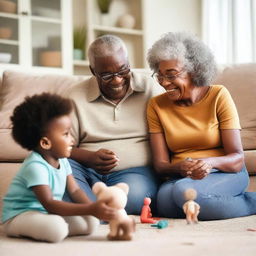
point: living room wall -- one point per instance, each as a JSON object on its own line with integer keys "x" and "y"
{"x": 171, "y": 15}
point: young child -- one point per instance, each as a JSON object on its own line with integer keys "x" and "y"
{"x": 33, "y": 205}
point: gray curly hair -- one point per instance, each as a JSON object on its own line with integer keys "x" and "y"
{"x": 196, "y": 57}
{"x": 104, "y": 46}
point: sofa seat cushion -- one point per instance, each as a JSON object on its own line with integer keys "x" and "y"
{"x": 15, "y": 87}
{"x": 250, "y": 161}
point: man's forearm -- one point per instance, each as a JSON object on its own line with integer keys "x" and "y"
{"x": 81, "y": 155}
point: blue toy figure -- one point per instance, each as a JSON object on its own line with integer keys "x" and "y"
{"x": 161, "y": 224}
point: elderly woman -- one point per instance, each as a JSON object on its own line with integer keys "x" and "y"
{"x": 195, "y": 133}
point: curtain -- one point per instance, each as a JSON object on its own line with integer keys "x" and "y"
{"x": 229, "y": 29}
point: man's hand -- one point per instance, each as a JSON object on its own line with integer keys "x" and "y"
{"x": 103, "y": 160}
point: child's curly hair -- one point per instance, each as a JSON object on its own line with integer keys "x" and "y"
{"x": 31, "y": 117}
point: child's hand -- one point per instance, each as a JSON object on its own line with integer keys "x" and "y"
{"x": 101, "y": 211}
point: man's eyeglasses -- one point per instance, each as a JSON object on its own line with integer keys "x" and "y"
{"x": 110, "y": 76}
{"x": 169, "y": 78}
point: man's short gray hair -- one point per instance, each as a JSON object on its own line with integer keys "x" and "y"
{"x": 196, "y": 57}
{"x": 104, "y": 46}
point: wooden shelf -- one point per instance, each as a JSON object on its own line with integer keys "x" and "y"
{"x": 39, "y": 26}
{"x": 9, "y": 42}
{"x": 86, "y": 13}
{"x": 45, "y": 19}
{"x": 81, "y": 63}
{"x": 118, "y": 30}
{"x": 9, "y": 15}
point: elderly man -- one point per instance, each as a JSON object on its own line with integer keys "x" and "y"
{"x": 109, "y": 124}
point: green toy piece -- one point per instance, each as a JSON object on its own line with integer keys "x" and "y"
{"x": 161, "y": 224}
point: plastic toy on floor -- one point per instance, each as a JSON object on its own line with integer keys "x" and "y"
{"x": 191, "y": 208}
{"x": 123, "y": 226}
{"x": 146, "y": 215}
{"x": 161, "y": 224}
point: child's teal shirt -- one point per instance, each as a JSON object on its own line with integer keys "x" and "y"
{"x": 34, "y": 171}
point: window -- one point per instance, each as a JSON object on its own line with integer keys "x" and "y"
{"x": 229, "y": 29}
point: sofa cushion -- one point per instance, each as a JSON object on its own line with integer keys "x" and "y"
{"x": 250, "y": 161}
{"x": 240, "y": 80}
{"x": 15, "y": 87}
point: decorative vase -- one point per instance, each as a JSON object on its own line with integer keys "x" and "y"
{"x": 8, "y": 6}
{"x": 104, "y": 5}
{"x": 5, "y": 32}
{"x": 78, "y": 54}
{"x": 105, "y": 19}
{"x": 5, "y": 57}
{"x": 50, "y": 58}
{"x": 126, "y": 21}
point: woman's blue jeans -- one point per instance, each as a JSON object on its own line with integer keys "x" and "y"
{"x": 220, "y": 196}
{"x": 141, "y": 180}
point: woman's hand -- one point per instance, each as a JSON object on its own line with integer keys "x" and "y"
{"x": 186, "y": 168}
{"x": 200, "y": 169}
{"x": 195, "y": 169}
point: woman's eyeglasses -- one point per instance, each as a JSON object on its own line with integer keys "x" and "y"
{"x": 169, "y": 78}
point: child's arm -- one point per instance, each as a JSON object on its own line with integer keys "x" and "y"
{"x": 97, "y": 209}
{"x": 75, "y": 192}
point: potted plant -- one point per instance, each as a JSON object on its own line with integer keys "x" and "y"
{"x": 79, "y": 38}
{"x": 104, "y": 5}
{"x": 104, "y": 9}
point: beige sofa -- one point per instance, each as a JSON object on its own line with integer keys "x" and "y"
{"x": 239, "y": 79}
{"x": 241, "y": 82}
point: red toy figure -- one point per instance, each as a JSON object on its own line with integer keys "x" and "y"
{"x": 146, "y": 215}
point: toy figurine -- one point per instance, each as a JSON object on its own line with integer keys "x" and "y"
{"x": 123, "y": 226}
{"x": 146, "y": 215}
{"x": 191, "y": 208}
{"x": 161, "y": 224}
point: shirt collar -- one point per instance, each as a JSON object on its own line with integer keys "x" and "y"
{"x": 94, "y": 90}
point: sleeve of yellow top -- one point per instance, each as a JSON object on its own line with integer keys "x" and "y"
{"x": 226, "y": 111}
{"x": 154, "y": 123}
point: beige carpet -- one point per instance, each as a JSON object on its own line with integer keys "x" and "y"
{"x": 225, "y": 237}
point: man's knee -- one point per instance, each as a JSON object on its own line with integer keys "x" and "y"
{"x": 136, "y": 200}
{"x": 134, "y": 206}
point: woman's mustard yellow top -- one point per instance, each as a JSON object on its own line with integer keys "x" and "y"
{"x": 194, "y": 131}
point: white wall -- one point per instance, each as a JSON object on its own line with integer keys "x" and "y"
{"x": 163, "y": 16}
